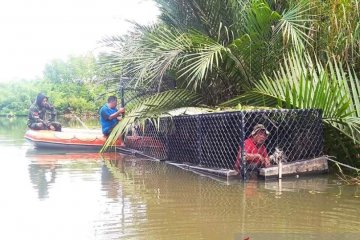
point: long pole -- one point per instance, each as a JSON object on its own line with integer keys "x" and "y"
{"x": 122, "y": 96}
{"x": 82, "y": 123}
{"x": 242, "y": 137}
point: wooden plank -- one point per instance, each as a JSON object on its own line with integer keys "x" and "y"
{"x": 218, "y": 172}
{"x": 225, "y": 173}
{"x": 316, "y": 165}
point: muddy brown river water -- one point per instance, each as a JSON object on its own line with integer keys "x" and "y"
{"x": 62, "y": 195}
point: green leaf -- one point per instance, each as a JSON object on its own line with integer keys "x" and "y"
{"x": 151, "y": 108}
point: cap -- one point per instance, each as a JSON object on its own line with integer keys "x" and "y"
{"x": 259, "y": 127}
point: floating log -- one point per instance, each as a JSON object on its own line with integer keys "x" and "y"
{"x": 312, "y": 166}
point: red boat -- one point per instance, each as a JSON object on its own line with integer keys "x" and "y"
{"x": 69, "y": 138}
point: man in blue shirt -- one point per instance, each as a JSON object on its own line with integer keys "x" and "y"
{"x": 110, "y": 115}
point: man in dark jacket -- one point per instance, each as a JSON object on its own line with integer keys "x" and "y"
{"x": 37, "y": 115}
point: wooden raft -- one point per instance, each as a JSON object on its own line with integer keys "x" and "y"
{"x": 312, "y": 166}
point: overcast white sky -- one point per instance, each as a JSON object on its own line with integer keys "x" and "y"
{"x": 33, "y": 32}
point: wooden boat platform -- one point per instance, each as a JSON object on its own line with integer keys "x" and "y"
{"x": 304, "y": 167}
{"x": 311, "y": 166}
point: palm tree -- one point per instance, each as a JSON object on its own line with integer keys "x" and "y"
{"x": 303, "y": 83}
{"x": 212, "y": 47}
{"x": 223, "y": 50}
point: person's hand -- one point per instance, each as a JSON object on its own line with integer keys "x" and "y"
{"x": 52, "y": 128}
{"x": 259, "y": 157}
{"x": 121, "y": 110}
{"x": 267, "y": 162}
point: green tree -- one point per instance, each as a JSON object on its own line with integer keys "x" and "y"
{"x": 70, "y": 84}
{"x": 223, "y": 50}
{"x": 76, "y": 69}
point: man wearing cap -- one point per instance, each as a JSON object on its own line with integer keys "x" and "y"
{"x": 255, "y": 151}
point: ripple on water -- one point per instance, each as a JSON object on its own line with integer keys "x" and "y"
{"x": 129, "y": 198}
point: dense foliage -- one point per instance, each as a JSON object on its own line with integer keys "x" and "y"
{"x": 283, "y": 54}
{"x": 72, "y": 86}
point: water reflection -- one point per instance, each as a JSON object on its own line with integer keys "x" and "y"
{"x": 108, "y": 181}
{"x": 44, "y": 164}
{"x": 206, "y": 209}
{"x": 12, "y": 130}
{"x": 43, "y": 168}
{"x": 82, "y": 195}
{"x": 42, "y": 177}
{"x": 143, "y": 199}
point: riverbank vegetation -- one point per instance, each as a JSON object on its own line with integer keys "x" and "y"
{"x": 263, "y": 53}
{"x": 73, "y": 86}
{"x": 221, "y": 55}
{"x": 352, "y": 178}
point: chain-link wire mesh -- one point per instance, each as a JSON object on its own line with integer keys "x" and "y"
{"x": 242, "y": 140}
{"x": 148, "y": 139}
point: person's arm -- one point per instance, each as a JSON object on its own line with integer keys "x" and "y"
{"x": 34, "y": 116}
{"x": 256, "y": 157}
{"x": 237, "y": 165}
{"x": 249, "y": 157}
{"x": 117, "y": 113}
{"x": 52, "y": 111}
{"x": 249, "y": 149}
{"x": 252, "y": 157}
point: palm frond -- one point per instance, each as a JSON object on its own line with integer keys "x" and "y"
{"x": 152, "y": 108}
{"x": 303, "y": 83}
{"x": 294, "y": 25}
{"x": 259, "y": 19}
{"x": 206, "y": 55}
{"x": 147, "y": 53}
{"x": 154, "y": 53}
{"x": 204, "y": 16}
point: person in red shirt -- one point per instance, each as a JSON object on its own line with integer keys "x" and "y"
{"x": 255, "y": 150}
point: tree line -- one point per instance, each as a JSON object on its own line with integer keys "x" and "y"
{"x": 289, "y": 54}
{"x": 74, "y": 85}
{"x": 222, "y": 54}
